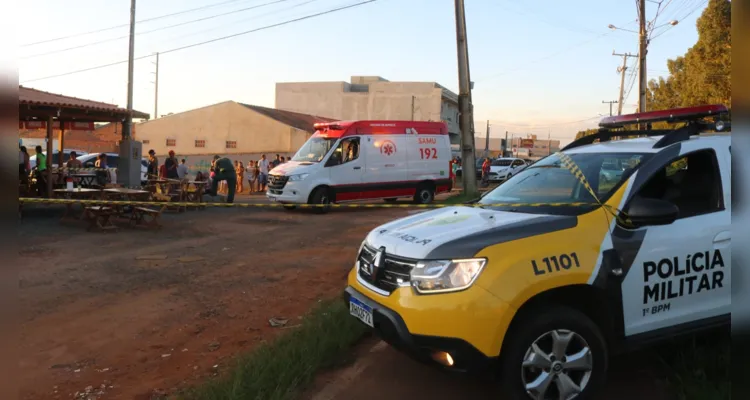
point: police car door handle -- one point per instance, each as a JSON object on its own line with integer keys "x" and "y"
{"x": 357, "y": 167}
{"x": 722, "y": 237}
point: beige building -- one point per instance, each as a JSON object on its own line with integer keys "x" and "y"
{"x": 228, "y": 128}
{"x": 529, "y": 147}
{"x": 373, "y": 98}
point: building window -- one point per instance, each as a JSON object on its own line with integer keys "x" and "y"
{"x": 146, "y": 141}
{"x": 171, "y": 142}
{"x": 231, "y": 144}
{"x": 200, "y": 143}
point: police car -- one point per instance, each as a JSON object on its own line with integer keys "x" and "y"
{"x": 562, "y": 266}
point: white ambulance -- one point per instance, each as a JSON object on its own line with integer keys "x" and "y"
{"x": 364, "y": 160}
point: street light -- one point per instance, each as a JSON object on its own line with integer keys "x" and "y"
{"x": 614, "y": 28}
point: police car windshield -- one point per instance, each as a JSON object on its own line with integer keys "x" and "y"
{"x": 549, "y": 181}
{"x": 314, "y": 150}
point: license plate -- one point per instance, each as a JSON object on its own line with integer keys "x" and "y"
{"x": 361, "y": 311}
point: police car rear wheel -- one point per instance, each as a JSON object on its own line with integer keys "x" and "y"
{"x": 555, "y": 354}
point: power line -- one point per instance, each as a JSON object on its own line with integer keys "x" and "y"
{"x": 698, "y": 7}
{"x": 126, "y": 25}
{"x": 155, "y": 30}
{"x": 494, "y": 122}
{"x": 208, "y": 41}
{"x": 526, "y": 64}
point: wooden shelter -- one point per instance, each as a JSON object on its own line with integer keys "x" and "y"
{"x": 38, "y": 110}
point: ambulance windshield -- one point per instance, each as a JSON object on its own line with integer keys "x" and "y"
{"x": 549, "y": 181}
{"x": 314, "y": 150}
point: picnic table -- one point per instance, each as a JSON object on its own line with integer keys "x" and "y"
{"x": 139, "y": 215}
{"x": 192, "y": 191}
{"x": 76, "y": 194}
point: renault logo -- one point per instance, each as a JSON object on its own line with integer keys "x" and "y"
{"x": 377, "y": 263}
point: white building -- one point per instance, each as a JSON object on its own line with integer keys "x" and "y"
{"x": 373, "y": 98}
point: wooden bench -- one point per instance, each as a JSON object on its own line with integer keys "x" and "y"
{"x": 100, "y": 218}
{"x": 146, "y": 217}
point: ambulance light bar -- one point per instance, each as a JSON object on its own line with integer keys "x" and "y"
{"x": 324, "y": 126}
{"x": 673, "y": 115}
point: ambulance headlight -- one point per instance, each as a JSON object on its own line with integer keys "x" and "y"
{"x": 298, "y": 177}
{"x": 719, "y": 125}
{"x": 444, "y": 276}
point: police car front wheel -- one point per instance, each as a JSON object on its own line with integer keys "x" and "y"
{"x": 559, "y": 353}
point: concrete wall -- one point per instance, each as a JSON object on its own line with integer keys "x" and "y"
{"x": 380, "y": 99}
{"x": 254, "y": 133}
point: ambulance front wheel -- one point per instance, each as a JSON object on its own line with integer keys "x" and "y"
{"x": 553, "y": 352}
{"x": 425, "y": 194}
{"x": 321, "y": 198}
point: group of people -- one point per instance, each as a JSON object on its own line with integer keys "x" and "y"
{"x": 255, "y": 172}
{"x": 171, "y": 169}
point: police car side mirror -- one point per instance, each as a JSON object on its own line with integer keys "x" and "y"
{"x": 646, "y": 211}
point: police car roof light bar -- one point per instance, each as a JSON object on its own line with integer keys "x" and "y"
{"x": 691, "y": 115}
{"x": 673, "y": 115}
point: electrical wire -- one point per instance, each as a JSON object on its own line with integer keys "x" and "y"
{"x": 698, "y": 7}
{"x": 209, "y": 41}
{"x": 126, "y": 25}
{"x": 156, "y": 30}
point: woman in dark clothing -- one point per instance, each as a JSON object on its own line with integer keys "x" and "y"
{"x": 153, "y": 165}
{"x": 171, "y": 166}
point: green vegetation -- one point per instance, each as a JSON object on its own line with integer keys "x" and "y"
{"x": 280, "y": 369}
{"x": 698, "y": 366}
{"x": 702, "y": 75}
{"x": 459, "y": 198}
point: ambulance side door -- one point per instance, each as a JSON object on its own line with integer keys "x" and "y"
{"x": 680, "y": 274}
{"x": 386, "y": 161}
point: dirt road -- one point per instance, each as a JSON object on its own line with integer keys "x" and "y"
{"x": 379, "y": 372}
{"x": 137, "y": 313}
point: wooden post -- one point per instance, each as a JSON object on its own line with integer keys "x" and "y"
{"x": 61, "y": 146}
{"x": 49, "y": 156}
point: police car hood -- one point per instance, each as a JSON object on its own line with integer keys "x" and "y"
{"x": 293, "y": 168}
{"x": 459, "y": 232}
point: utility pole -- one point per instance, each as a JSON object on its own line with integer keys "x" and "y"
{"x": 505, "y": 148}
{"x": 466, "y": 114}
{"x": 643, "y": 33}
{"x": 129, "y": 167}
{"x": 622, "y": 71}
{"x": 128, "y": 128}
{"x": 610, "y": 105}
{"x": 156, "y": 89}
{"x": 487, "y": 140}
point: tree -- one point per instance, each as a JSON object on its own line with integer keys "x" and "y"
{"x": 702, "y": 75}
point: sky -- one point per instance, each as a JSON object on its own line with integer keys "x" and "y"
{"x": 540, "y": 67}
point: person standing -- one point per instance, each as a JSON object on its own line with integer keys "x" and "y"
{"x": 182, "y": 170}
{"x": 240, "y": 177}
{"x": 486, "y": 172}
{"x": 170, "y": 164}
{"x": 41, "y": 172}
{"x": 224, "y": 171}
{"x": 250, "y": 177}
{"x": 276, "y": 161}
{"x": 153, "y": 165}
{"x": 24, "y": 162}
{"x": 263, "y": 165}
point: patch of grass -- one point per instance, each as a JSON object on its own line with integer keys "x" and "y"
{"x": 698, "y": 366}
{"x": 280, "y": 369}
{"x": 459, "y": 198}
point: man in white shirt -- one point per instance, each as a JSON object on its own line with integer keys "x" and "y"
{"x": 263, "y": 177}
{"x": 182, "y": 170}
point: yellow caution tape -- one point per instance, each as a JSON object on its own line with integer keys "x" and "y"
{"x": 277, "y": 205}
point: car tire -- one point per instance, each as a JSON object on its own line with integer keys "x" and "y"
{"x": 425, "y": 194}
{"x": 531, "y": 341}
{"x": 321, "y": 197}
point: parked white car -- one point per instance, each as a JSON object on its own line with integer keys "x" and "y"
{"x": 66, "y": 156}
{"x": 113, "y": 160}
{"x": 502, "y": 169}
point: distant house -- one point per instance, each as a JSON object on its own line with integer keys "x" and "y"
{"x": 228, "y": 128}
